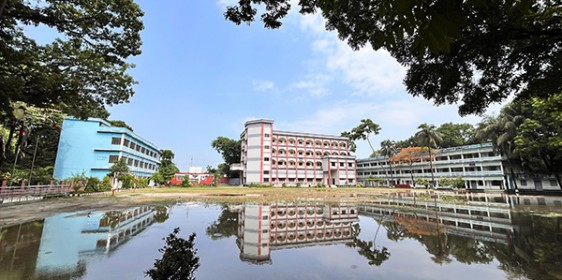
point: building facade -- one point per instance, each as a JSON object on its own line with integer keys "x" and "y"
{"x": 92, "y": 146}
{"x": 293, "y": 158}
{"x": 264, "y": 228}
{"x": 479, "y": 166}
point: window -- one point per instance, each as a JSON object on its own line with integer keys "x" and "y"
{"x": 266, "y": 135}
{"x": 523, "y": 182}
{"x": 333, "y": 164}
{"x": 350, "y": 164}
{"x": 126, "y": 143}
{"x": 342, "y": 164}
{"x": 265, "y": 159}
{"x": 553, "y": 183}
{"x": 266, "y": 180}
{"x": 266, "y": 172}
{"x": 115, "y": 141}
{"x": 266, "y": 147}
{"x": 265, "y": 217}
{"x": 130, "y": 161}
{"x": 113, "y": 159}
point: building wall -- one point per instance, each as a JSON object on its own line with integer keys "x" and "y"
{"x": 294, "y": 158}
{"x": 92, "y": 146}
{"x": 478, "y": 165}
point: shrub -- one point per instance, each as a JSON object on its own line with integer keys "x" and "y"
{"x": 93, "y": 185}
{"x": 142, "y": 183}
{"x": 105, "y": 184}
{"x": 128, "y": 180}
{"x": 185, "y": 182}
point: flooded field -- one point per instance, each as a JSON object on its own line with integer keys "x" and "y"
{"x": 399, "y": 238}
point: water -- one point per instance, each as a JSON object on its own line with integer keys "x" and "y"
{"x": 390, "y": 239}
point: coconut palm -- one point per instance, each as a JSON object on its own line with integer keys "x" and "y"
{"x": 388, "y": 149}
{"x": 429, "y": 137}
{"x": 501, "y": 131}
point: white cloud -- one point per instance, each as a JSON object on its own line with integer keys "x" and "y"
{"x": 399, "y": 118}
{"x": 225, "y": 3}
{"x": 316, "y": 85}
{"x": 262, "y": 85}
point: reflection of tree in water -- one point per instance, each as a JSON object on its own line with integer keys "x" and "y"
{"x": 179, "y": 259}
{"x": 374, "y": 256}
{"x": 225, "y": 226}
{"x": 535, "y": 250}
{"x": 438, "y": 242}
{"x": 161, "y": 213}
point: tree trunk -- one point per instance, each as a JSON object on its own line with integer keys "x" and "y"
{"x": 10, "y": 137}
{"x": 391, "y": 174}
{"x": 412, "y": 175}
{"x": 431, "y": 167}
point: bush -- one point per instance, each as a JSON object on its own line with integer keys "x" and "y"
{"x": 93, "y": 185}
{"x": 185, "y": 182}
{"x": 128, "y": 180}
{"x": 142, "y": 183}
{"x": 105, "y": 184}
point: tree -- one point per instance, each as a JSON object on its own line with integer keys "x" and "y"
{"x": 388, "y": 149}
{"x": 352, "y": 145}
{"x": 229, "y": 149}
{"x": 455, "y": 134}
{"x": 410, "y": 156}
{"x": 119, "y": 168}
{"x": 454, "y": 50}
{"x": 118, "y": 123}
{"x": 501, "y": 131}
{"x": 83, "y": 69}
{"x": 539, "y": 137}
{"x": 167, "y": 168}
{"x": 429, "y": 137}
{"x": 363, "y": 130}
{"x": 179, "y": 259}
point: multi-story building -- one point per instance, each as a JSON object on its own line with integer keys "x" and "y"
{"x": 92, "y": 146}
{"x": 263, "y": 228}
{"x": 480, "y": 167}
{"x": 293, "y": 158}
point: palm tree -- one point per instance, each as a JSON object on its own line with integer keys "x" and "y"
{"x": 501, "y": 131}
{"x": 388, "y": 149}
{"x": 428, "y": 135}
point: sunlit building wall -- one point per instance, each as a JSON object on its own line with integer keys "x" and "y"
{"x": 92, "y": 146}
{"x": 280, "y": 158}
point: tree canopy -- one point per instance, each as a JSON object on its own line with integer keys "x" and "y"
{"x": 81, "y": 70}
{"x": 473, "y": 52}
{"x": 229, "y": 149}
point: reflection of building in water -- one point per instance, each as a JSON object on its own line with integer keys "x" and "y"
{"x": 262, "y": 228}
{"x": 87, "y": 235}
{"x": 486, "y": 218}
{"x": 116, "y": 227}
{"x": 19, "y": 246}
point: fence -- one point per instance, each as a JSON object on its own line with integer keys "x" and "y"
{"x": 24, "y": 192}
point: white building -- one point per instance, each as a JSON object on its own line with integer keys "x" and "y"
{"x": 478, "y": 165}
{"x": 293, "y": 158}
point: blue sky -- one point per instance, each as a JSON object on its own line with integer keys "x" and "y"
{"x": 201, "y": 77}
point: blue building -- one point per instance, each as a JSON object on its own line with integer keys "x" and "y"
{"x": 93, "y": 146}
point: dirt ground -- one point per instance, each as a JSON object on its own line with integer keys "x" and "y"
{"x": 20, "y": 212}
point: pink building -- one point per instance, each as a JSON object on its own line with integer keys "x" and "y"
{"x": 280, "y": 158}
